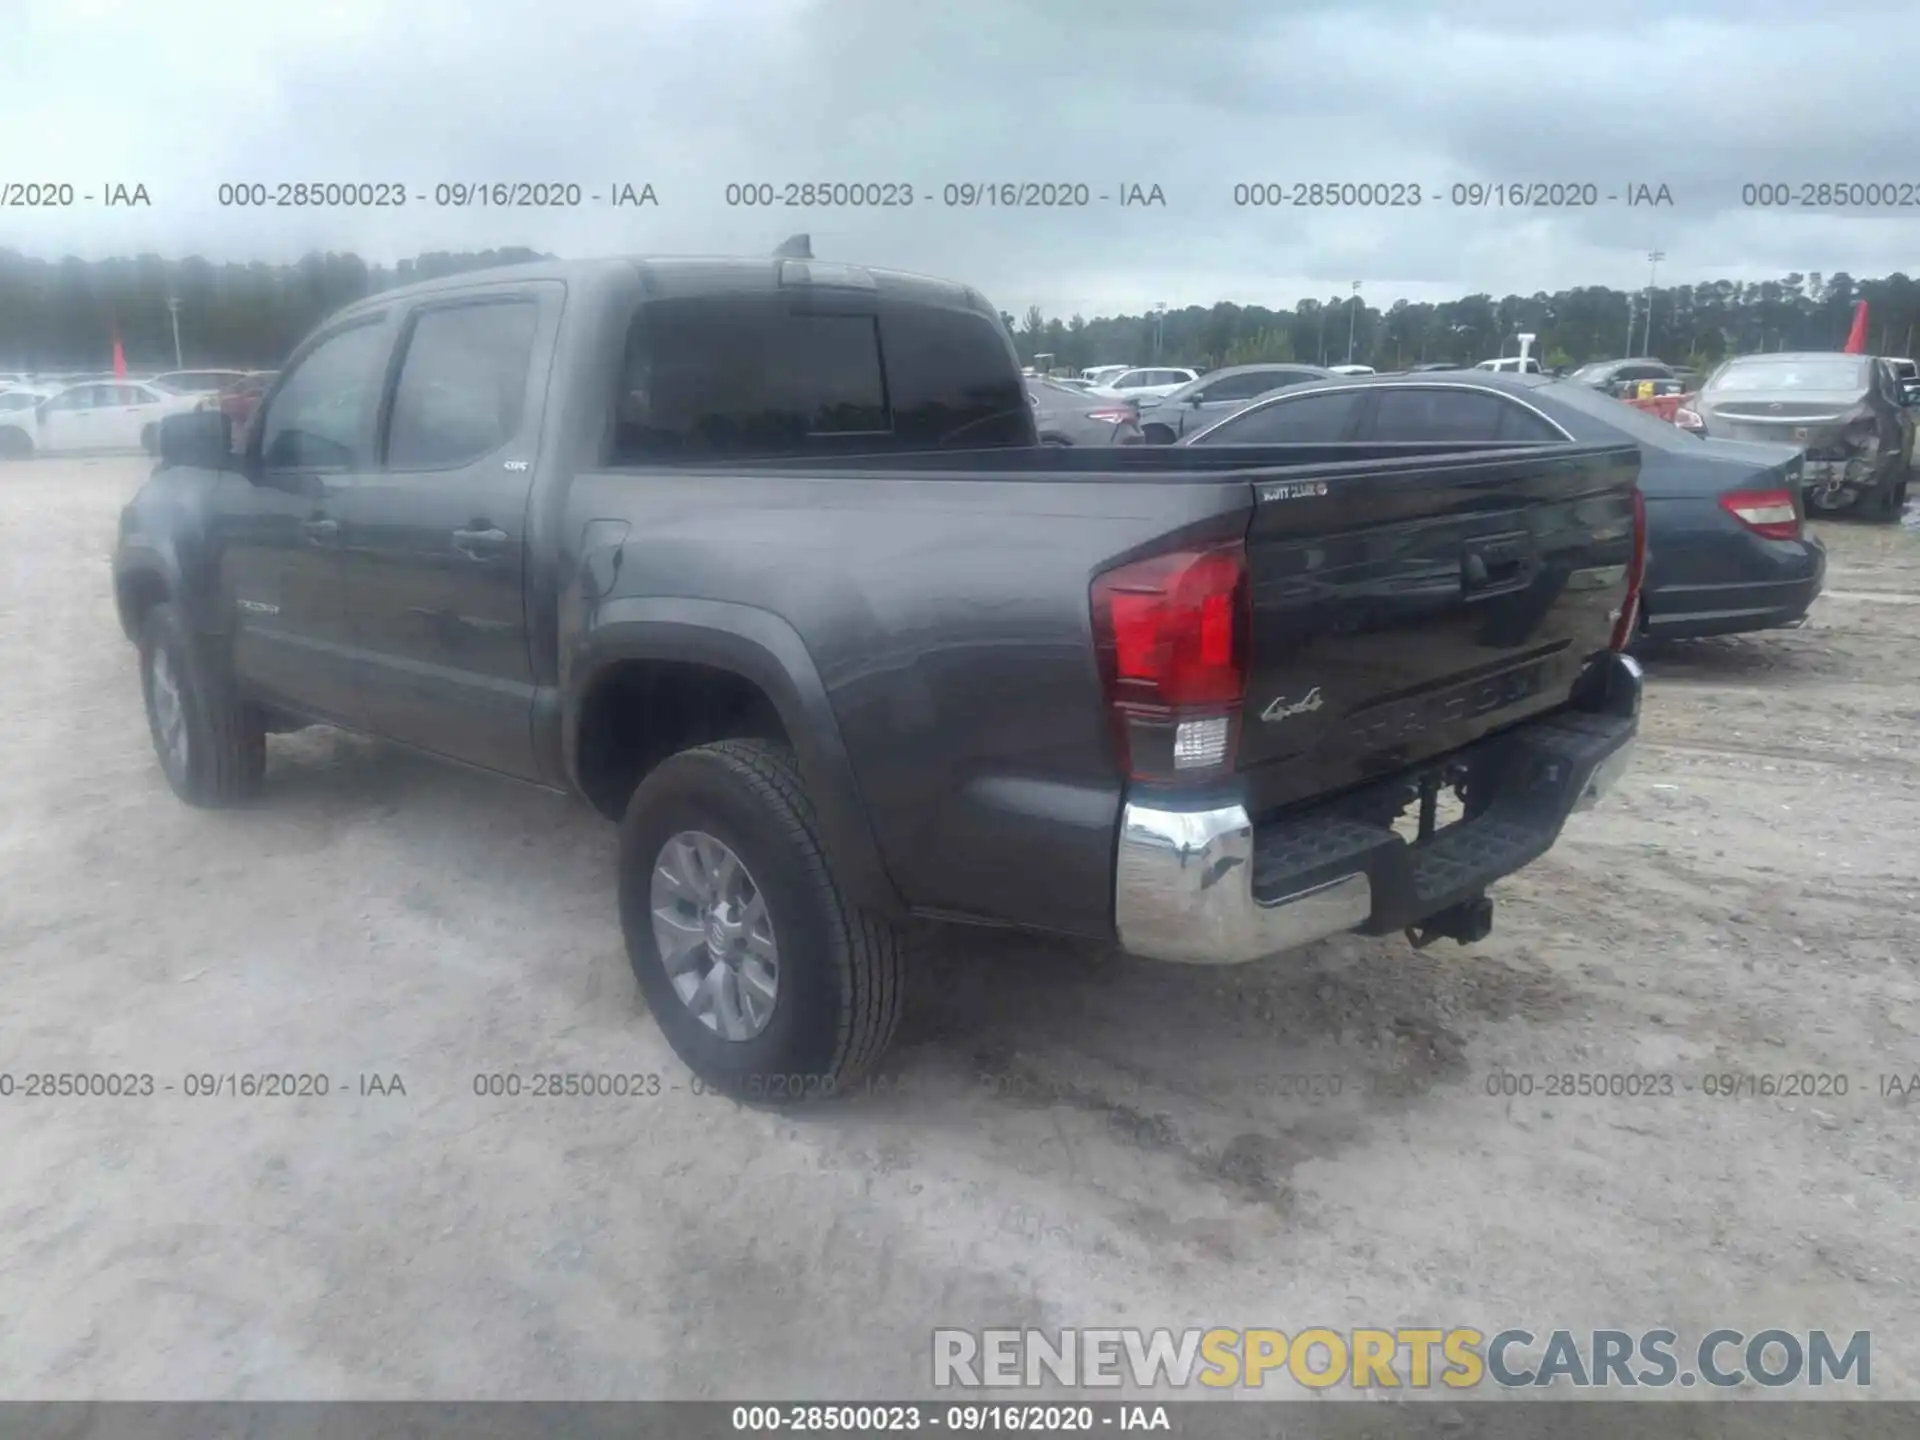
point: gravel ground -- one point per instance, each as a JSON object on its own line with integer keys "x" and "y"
{"x": 1067, "y": 1138}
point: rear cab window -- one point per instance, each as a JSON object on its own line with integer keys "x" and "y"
{"x": 768, "y": 376}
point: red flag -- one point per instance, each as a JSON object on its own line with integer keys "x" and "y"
{"x": 1857, "y": 337}
{"x": 119, "y": 358}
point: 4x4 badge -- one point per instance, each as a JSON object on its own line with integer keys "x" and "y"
{"x": 1281, "y": 710}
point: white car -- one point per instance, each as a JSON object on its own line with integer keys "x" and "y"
{"x": 1351, "y": 369}
{"x": 109, "y": 415}
{"x": 1148, "y": 384}
{"x": 1100, "y": 374}
{"x": 1511, "y": 365}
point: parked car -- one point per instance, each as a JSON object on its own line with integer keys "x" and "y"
{"x": 197, "y": 382}
{"x": 118, "y": 415}
{"x": 1728, "y": 550}
{"x": 1350, "y": 370}
{"x": 1146, "y": 384}
{"x": 1100, "y": 374}
{"x": 16, "y": 400}
{"x": 1069, "y": 382}
{"x": 1511, "y": 365}
{"x": 1846, "y": 412}
{"x": 792, "y": 592}
{"x": 1433, "y": 367}
{"x": 1065, "y": 416}
{"x": 1217, "y": 393}
{"x": 1621, "y": 377}
{"x": 239, "y": 400}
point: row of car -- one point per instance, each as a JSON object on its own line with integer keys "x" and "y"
{"x": 1728, "y": 488}
{"x": 66, "y": 414}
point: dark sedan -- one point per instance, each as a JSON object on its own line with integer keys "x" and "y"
{"x": 1216, "y": 394}
{"x": 1727, "y": 548}
{"x": 1847, "y": 412}
{"x": 1065, "y": 416}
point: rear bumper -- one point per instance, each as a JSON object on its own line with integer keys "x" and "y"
{"x": 1798, "y": 569}
{"x": 1209, "y": 886}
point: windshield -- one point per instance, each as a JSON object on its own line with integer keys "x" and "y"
{"x": 1840, "y": 372}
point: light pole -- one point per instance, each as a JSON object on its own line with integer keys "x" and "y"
{"x": 1159, "y": 319}
{"x": 1654, "y": 257}
{"x": 1353, "y": 314}
{"x": 1632, "y": 315}
{"x": 173, "y": 310}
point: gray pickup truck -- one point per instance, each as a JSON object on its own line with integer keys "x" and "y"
{"x": 762, "y": 559}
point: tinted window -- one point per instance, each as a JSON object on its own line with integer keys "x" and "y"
{"x": 463, "y": 384}
{"x": 1519, "y": 423}
{"x": 746, "y": 377}
{"x": 1307, "y": 419}
{"x": 954, "y": 380}
{"x": 1437, "y": 415}
{"x": 1241, "y": 387}
{"x": 314, "y": 420}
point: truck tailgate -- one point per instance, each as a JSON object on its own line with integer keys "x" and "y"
{"x": 1403, "y": 611}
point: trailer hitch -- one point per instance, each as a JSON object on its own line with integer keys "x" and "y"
{"x": 1468, "y": 922}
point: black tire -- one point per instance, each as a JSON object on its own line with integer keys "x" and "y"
{"x": 1158, "y": 434}
{"x": 842, "y": 972}
{"x": 226, "y": 741}
{"x": 15, "y": 443}
{"x": 150, "y": 440}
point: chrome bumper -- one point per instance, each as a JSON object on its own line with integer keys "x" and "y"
{"x": 1184, "y": 886}
{"x": 1184, "y": 892}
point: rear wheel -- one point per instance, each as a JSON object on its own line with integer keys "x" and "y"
{"x": 763, "y": 977}
{"x": 150, "y": 440}
{"x": 1887, "y": 499}
{"x": 212, "y": 747}
{"x": 15, "y": 444}
{"x": 1158, "y": 434}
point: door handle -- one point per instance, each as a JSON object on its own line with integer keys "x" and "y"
{"x": 480, "y": 544}
{"x": 321, "y": 531}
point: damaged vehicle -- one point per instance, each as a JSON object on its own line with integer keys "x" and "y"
{"x": 1848, "y": 414}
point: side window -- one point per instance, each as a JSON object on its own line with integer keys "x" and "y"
{"x": 315, "y": 418}
{"x": 463, "y": 384}
{"x": 133, "y": 395}
{"x": 1129, "y": 380}
{"x": 80, "y": 397}
{"x": 1307, "y": 419}
{"x": 1437, "y": 415}
{"x": 748, "y": 377}
{"x": 1519, "y": 423}
{"x": 1234, "y": 387}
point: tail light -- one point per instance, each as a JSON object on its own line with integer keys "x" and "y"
{"x": 1687, "y": 418}
{"x": 1171, "y": 635}
{"x": 1116, "y": 415}
{"x": 1765, "y": 512}
{"x": 1629, "y": 619}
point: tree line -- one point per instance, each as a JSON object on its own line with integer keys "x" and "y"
{"x": 65, "y": 314}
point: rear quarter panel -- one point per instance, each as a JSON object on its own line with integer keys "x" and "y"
{"x": 948, "y": 620}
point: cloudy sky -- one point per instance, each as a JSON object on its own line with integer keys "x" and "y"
{"x": 1195, "y": 96}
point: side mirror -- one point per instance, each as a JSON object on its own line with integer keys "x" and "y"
{"x": 199, "y": 438}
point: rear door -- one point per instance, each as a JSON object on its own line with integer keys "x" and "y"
{"x": 1222, "y": 397}
{"x": 436, "y": 532}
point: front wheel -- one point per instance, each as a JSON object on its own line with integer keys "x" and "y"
{"x": 212, "y": 747}
{"x": 766, "y": 981}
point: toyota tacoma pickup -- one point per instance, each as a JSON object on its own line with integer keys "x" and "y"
{"x": 762, "y": 558}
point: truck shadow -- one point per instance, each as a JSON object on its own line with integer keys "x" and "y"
{"x": 1097, "y": 1085}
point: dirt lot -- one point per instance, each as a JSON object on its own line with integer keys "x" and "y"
{"x": 1068, "y": 1139}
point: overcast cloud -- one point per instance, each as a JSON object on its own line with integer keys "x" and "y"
{"x": 1191, "y": 97}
